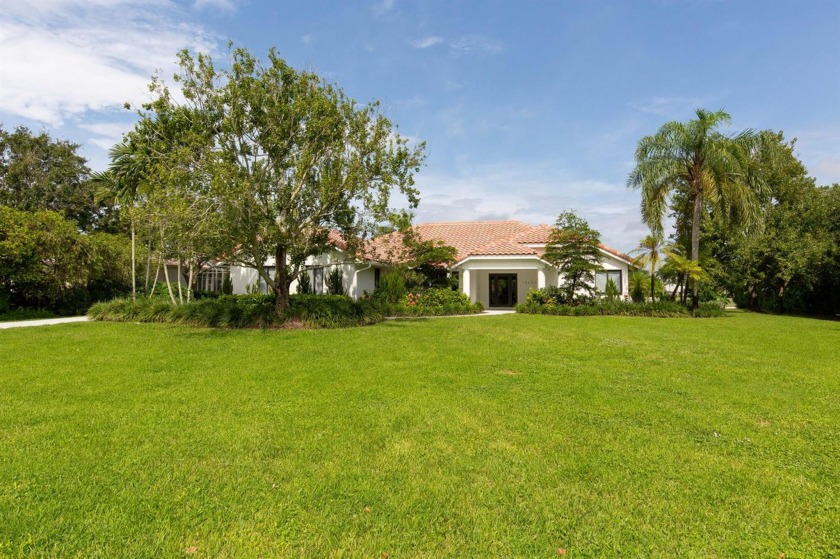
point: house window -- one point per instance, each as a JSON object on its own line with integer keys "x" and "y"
{"x": 377, "y": 273}
{"x": 318, "y": 280}
{"x": 212, "y": 279}
{"x": 602, "y": 277}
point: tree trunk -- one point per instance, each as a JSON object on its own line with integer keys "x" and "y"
{"x": 148, "y": 265}
{"x": 753, "y": 305}
{"x": 281, "y": 283}
{"x": 180, "y": 291}
{"x": 150, "y": 294}
{"x": 133, "y": 264}
{"x": 676, "y": 288}
{"x": 652, "y": 283}
{"x": 695, "y": 244}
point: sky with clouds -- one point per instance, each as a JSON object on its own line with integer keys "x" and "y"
{"x": 527, "y": 108}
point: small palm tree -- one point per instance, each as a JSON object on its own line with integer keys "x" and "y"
{"x": 650, "y": 254}
{"x": 684, "y": 269}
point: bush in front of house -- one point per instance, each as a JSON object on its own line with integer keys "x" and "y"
{"x": 437, "y": 301}
{"x": 243, "y": 311}
{"x": 540, "y": 301}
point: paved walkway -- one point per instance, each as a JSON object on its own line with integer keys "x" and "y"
{"x": 493, "y": 312}
{"x": 42, "y": 322}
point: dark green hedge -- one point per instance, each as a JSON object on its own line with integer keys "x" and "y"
{"x": 660, "y": 309}
{"x": 242, "y": 311}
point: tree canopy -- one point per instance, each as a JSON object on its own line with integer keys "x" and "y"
{"x": 573, "y": 248}
{"x": 39, "y": 173}
{"x": 280, "y": 156}
{"x": 698, "y": 171}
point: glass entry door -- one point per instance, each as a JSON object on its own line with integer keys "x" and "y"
{"x": 502, "y": 290}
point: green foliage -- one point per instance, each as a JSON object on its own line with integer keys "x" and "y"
{"x": 284, "y": 156}
{"x": 391, "y": 287}
{"x": 638, "y": 282}
{"x": 304, "y": 284}
{"x": 697, "y": 168}
{"x": 439, "y": 301}
{"x": 24, "y": 314}
{"x": 242, "y": 311}
{"x": 540, "y": 302}
{"x": 658, "y": 309}
{"x": 227, "y": 285}
{"x": 573, "y": 249}
{"x": 550, "y": 295}
{"x": 38, "y": 173}
{"x": 335, "y": 282}
{"x": 790, "y": 262}
{"x": 611, "y": 291}
{"x": 45, "y": 263}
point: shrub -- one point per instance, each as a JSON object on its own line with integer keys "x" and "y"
{"x": 432, "y": 302}
{"x": 391, "y": 287}
{"x": 611, "y": 291}
{"x": 660, "y": 309}
{"x": 335, "y": 282}
{"x": 304, "y": 284}
{"x": 242, "y": 311}
{"x": 25, "y": 314}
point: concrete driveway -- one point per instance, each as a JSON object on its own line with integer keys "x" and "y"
{"x": 43, "y": 322}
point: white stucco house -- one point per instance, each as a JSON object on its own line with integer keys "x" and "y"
{"x": 497, "y": 262}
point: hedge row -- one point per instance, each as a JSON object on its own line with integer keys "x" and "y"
{"x": 659, "y": 309}
{"x": 243, "y": 311}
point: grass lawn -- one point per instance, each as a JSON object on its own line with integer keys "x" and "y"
{"x": 501, "y": 436}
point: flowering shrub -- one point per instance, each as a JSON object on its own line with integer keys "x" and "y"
{"x": 433, "y": 302}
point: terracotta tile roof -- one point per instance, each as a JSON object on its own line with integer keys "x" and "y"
{"x": 475, "y": 238}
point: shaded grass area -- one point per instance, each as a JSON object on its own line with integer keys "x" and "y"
{"x": 505, "y": 436}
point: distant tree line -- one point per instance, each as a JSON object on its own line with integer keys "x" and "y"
{"x": 61, "y": 246}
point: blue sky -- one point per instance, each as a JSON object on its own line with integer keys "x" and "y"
{"x": 527, "y": 108}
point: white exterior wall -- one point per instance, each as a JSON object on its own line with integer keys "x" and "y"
{"x": 355, "y": 284}
{"x": 526, "y": 269}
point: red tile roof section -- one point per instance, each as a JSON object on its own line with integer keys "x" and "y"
{"x": 476, "y": 238}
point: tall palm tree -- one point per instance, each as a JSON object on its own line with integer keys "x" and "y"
{"x": 122, "y": 182}
{"x": 694, "y": 159}
{"x": 650, "y": 254}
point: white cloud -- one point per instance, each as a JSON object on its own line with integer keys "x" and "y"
{"x": 476, "y": 45}
{"x": 224, "y": 5}
{"x": 64, "y": 58}
{"x": 427, "y": 42}
{"x": 383, "y": 7}
{"x": 308, "y": 39}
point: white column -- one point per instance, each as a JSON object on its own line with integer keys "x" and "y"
{"x": 541, "y": 281}
{"x": 465, "y": 283}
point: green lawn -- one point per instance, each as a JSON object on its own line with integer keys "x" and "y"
{"x": 488, "y": 437}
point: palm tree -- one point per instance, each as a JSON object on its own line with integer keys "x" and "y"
{"x": 707, "y": 167}
{"x": 650, "y": 254}
{"x": 682, "y": 268}
{"x": 121, "y": 182}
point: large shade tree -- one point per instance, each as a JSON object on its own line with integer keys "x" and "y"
{"x": 698, "y": 170}
{"x": 287, "y": 158}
